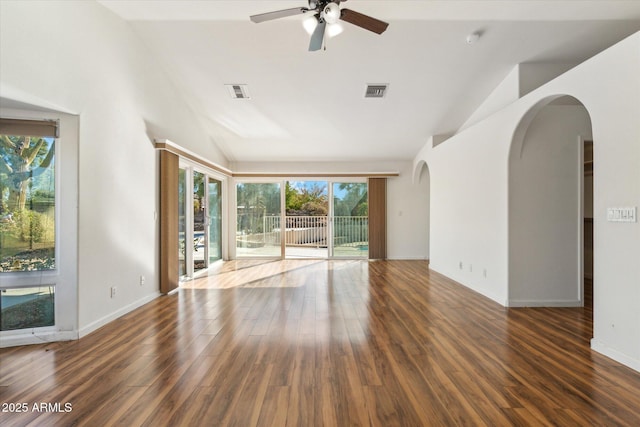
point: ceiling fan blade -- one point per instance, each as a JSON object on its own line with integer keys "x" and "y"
{"x": 363, "y": 21}
{"x": 318, "y": 36}
{"x": 278, "y": 14}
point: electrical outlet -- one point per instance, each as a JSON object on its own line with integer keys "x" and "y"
{"x": 113, "y": 292}
{"x": 484, "y": 273}
{"x": 470, "y": 268}
{"x": 141, "y": 280}
{"x": 460, "y": 265}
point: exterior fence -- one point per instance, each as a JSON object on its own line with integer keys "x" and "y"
{"x": 309, "y": 231}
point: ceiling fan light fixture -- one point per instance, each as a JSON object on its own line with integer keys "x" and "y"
{"x": 334, "y": 29}
{"x": 326, "y": 13}
{"x": 331, "y": 13}
{"x": 310, "y": 24}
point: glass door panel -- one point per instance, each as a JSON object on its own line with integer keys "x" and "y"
{"x": 350, "y": 236}
{"x": 258, "y": 220}
{"x": 306, "y": 214}
{"x": 199, "y": 219}
{"x": 182, "y": 223}
{"x": 215, "y": 219}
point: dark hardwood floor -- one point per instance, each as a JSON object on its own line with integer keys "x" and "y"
{"x": 325, "y": 343}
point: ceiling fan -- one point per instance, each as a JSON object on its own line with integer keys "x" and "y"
{"x": 325, "y": 12}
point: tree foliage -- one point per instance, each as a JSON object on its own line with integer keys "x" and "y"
{"x": 22, "y": 158}
{"x": 306, "y": 200}
{"x": 354, "y": 201}
{"x": 255, "y": 201}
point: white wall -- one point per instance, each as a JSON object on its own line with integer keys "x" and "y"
{"x": 408, "y": 215}
{"x": 468, "y": 238}
{"x": 81, "y": 57}
{"x": 469, "y": 193}
{"x": 532, "y": 75}
{"x": 545, "y": 215}
{"x": 504, "y": 94}
{"x": 407, "y": 202}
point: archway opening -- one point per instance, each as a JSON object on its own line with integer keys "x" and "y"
{"x": 422, "y": 175}
{"x": 551, "y": 206}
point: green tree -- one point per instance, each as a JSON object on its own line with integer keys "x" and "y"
{"x": 30, "y": 226}
{"x": 254, "y": 202}
{"x": 17, "y": 157}
{"x": 354, "y": 202}
{"x": 305, "y": 200}
{"x": 291, "y": 197}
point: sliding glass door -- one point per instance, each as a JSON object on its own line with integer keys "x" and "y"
{"x": 350, "y": 220}
{"x": 306, "y": 218}
{"x": 259, "y": 214}
{"x": 199, "y": 205}
{"x": 214, "y": 210}
{"x": 200, "y": 220}
{"x": 302, "y": 219}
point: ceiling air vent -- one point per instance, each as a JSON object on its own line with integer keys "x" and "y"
{"x": 376, "y": 90}
{"x": 238, "y": 91}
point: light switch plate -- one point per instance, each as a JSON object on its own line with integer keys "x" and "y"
{"x": 627, "y": 214}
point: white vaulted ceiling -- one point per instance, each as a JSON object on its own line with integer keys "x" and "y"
{"x": 310, "y": 106}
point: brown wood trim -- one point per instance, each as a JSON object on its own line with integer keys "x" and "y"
{"x": 169, "y": 166}
{"x": 315, "y": 175}
{"x": 172, "y": 148}
{"x": 377, "y": 218}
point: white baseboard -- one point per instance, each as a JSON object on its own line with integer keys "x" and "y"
{"x": 545, "y": 303}
{"x": 482, "y": 291}
{"x": 93, "y": 326}
{"x": 602, "y": 348}
{"x": 30, "y": 336}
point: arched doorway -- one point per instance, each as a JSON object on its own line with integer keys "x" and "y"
{"x": 421, "y": 175}
{"x": 549, "y": 199}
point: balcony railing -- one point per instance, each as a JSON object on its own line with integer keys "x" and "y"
{"x": 310, "y": 231}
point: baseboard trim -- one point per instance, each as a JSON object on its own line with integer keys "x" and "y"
{"x": 91, "y": 327}
{"x": 30, "y": 337}
{"x": 602, "y": 348}
{"x": 482, "y": 291}
{"x": 545, "y": 303}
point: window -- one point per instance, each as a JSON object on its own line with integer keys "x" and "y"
{"x": 27, "y": 222}
{"x": 22, "y": 308}
{"x": 27, "y": 202}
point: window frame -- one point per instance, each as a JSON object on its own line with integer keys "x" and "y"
{"x": 64, "y": 276}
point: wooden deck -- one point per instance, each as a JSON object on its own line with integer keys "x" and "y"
{"x": 325, "y": 343}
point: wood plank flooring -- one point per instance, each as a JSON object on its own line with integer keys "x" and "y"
{"x": 325, "y": 343}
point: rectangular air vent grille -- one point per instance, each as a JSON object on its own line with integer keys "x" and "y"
{"x": 238, "y": 91}
{"x": 376, "y": 91}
